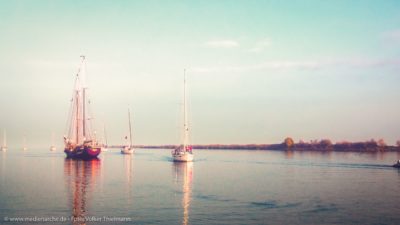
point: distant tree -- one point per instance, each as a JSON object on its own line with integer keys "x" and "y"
{"x": 302, "y": 144}
{"x": 371, "y": 144}
{"x": 381, "y": 143}
{"x": 288, "y": 142}
{"x": 325, "y": 143}
{"x": 398, "y": 143}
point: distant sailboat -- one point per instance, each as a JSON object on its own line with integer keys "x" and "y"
{"x": 4, "y": 145}
{"x": 183, "y": 153}
{"x": 104, "y": 146}
{"x": 52, "y": 147}
{"x": 128, "y": 149}
{"x": 397, "y": 164}
{"x": 80, "y": 142}
{"x": 24, "y": 148}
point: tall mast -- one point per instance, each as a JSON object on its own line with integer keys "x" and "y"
{"x": 4, "y": 138}
{"x": 83, "y": 100}
{"x": 83, "y": 113}
{"x": 130, "y": 128}
{"x": 24, "y": 141}
{"x": 80, "y": 103}
{"x": 77, "y": 116}
{"x": 105, "y": 134}
{"x": 52, "y": 138}
{"x": 185, "y": 126}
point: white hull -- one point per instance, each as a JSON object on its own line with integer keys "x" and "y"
{"x": 24, "y": 148}
{"x": 127, "y": 151}
{"x": 104, "y": 149}
{"x": 52, "y": 148}
{"x": 182, "y": 157}
{"x": 4, "y": 149}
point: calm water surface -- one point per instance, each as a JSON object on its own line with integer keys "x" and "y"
{"x": 220, "y": 187}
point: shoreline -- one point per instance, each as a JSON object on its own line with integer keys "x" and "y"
{"x": 353, "y": 147}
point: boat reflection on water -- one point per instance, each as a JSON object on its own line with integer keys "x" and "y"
{"x": 128, "y": 167}
{"x": 183, "y": 174}
{"x": 80, "y": 177}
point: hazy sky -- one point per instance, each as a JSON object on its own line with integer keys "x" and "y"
{"x": 258, "y": 71}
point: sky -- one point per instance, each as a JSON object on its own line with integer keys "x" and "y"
{"x": 257, "y": 71}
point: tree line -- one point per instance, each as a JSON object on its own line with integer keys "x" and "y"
{"x": 289, "y": 144}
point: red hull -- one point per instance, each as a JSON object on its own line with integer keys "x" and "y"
{"x": 83, "y": 152}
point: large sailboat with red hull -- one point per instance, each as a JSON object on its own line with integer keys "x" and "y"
{"x": 80, "y": 141}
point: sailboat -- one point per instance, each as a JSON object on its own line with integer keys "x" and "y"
{"x": 4, "y": 145}
{"x": 80, "y": 141}
{"x": 24, "y": 148}
{"x": 183, "y": 153}
{"x": 104, "y": 145}
{"x": 397, "y": 164}
{"x": 52, "y": 147}
{"x": 128, "y": 149}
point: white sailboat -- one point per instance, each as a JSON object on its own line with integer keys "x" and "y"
{"x": 104, "y": 145}
{"x": 52, "y": 147}
{"x": 24, "y": 148}
{"x": 183, "y": 153}
{"x": 128, "y": 149}
{"x": 4, "y": 145}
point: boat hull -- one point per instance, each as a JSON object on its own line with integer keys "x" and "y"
{"x": 183, "y": 157}
{"x": 127, "y": 151}
{"x": 83, "y": 152}
{"x": 397, "y": 165}
{"x": 4, "y": 149}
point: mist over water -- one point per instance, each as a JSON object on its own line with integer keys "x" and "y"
{"x": 219, "y": 187}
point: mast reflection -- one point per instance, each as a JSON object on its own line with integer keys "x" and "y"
{"x": 184, "y": 176}
{"x": 128, "y": 166}
{"x": 80, "y": 177}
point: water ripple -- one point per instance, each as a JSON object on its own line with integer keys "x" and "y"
{"x": 272, "y": 204}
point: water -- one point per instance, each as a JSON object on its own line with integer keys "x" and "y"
{"x": 220, "y": 187}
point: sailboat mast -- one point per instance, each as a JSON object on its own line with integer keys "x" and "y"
{"x": 24, "y": 141}
{"x": 83, "y": 97}
{"x": 80, "y": 106}
{"x": 130, "y": 128}
{"x": 185, "y": 128}
{"x": 77, "y": 116}
{"x": 83, "y": 113}
{"x": 4, "y": 138}
{"x": 52, "y": 138}
{"x": 105, "y": 134}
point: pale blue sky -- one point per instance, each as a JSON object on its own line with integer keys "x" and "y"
{"x": 258, "y": 71}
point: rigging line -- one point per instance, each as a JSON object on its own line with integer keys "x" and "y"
{"x": 69, "y": 120}
{"x": 80, "y": 65}
{"x": 90, "y": 119}
{"x": 67, "y": 128}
